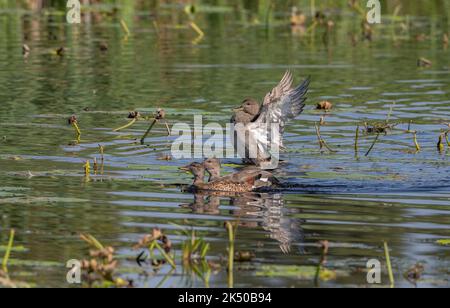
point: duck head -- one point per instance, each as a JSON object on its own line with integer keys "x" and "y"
{"x": 212, "y": 166}
{"x": 249, "y": 106}
{"x": 198, "y": 170}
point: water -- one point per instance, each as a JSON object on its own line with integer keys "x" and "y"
{"x": 392, "y": 195}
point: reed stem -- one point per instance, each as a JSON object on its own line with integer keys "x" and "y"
{"x": 373, "y": 144}
{"x": 148, "y": 131}
{"x": 231, "y": 239}
{"x": 8, "y": 251}
{"x": 389, "y": 265}
{"x": 126, "y": 126}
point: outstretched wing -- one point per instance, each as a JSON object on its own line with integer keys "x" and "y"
{"x": 281, "y": 105}
{"x": 284, "y": 103}
{"x": 283, "y": 88}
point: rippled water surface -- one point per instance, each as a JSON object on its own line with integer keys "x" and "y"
{"x": 355, "y": 203}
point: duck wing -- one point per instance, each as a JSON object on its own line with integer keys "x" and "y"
{"x": 280, "y": 105}
{"x": 250, "y": 176}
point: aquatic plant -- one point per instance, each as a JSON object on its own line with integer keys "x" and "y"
{"x": 5, "y": 280}
{"x": 161, "y": 242}
{"x": 322, "y": 143}
{"x": 389, "y": 265}
{"x": 8, "y": 251}
{"x": 99, "y": 270}
{"x": 231, "y": 241}
{"x": 159, "y": 116}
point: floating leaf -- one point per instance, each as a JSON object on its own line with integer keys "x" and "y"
{"x": 13, "y": 249}
{"x": 299, "y": 272}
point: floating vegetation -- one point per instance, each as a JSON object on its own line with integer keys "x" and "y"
{"x": 100, "y": 268}
{"x": 444, "y": 242}
{"x": 424, "y": 62}
{"x": 298, "y": 272}
{"x": 378, "y": 128}
{"x": 297, "y": 17}
{"x": 26, "y": 50}
{"x": 60, "y": 51}
{"x": 325, "y": 105}
{"x": 244, "y": 256}
{"x": 414, "y": 273}
{"x": 103, "y": 47}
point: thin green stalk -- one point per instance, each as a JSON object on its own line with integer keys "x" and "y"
{"x": 389, "y": 265}
{"x": 91, "y": 240}
{"x": 416, "y": 143}
{"x": 322, "y": 262}
{"x": 165, "y": 255}
{"x": 148, "y": 131}
{"x": 373, "y": 144}
{"x": 356, "y": 141}
{"x": 125, "y": 27}
{"x": 126, "y": 126}
{"x": 231, "y": 238}
{"x": 313, "y": 8}
{"x": 8, "y": 251}
{"x": 77, "y": 129}
{"x": 440, "y": 145}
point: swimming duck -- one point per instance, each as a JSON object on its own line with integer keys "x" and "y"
{"x": 247, "y": 180}
{"x": 282, "y": 104}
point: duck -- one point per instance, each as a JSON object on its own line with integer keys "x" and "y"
{"x": 251, "y": 121}
{"x": 247, "y": 180}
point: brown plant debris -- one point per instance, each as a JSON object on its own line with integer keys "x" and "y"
{"x": 325, "y": 105}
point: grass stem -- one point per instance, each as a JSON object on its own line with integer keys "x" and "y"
{"x": 126, "y": 126}
{"x": 231, "y": 239}
{"x": 148, "y": 131}
{"x": 8, "y": 251}
{"x": 373, "y": 144}
{"x": 389, "y": 265}
{"x": 125, "y": 27}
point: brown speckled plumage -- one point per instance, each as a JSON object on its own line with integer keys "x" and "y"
{"x": 247, "y": 180}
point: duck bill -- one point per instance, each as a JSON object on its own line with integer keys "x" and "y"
{"x": 185, "y": 168}
{"x": 238, "y": 109}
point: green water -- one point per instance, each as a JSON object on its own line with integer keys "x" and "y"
{"x": 392, "y": 195}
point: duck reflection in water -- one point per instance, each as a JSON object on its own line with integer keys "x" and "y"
{"x": 254, "y": 210}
